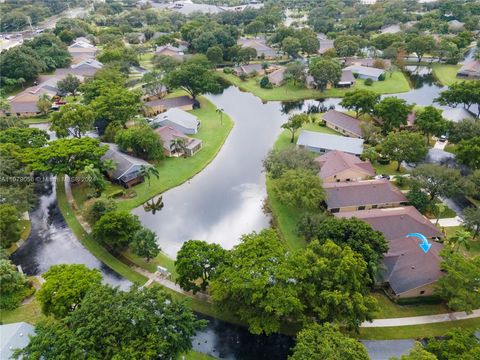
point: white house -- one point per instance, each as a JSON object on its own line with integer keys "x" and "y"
{"x": 322, "y": 143}
{"x": 366, "y": 72}
{"x": 178, "y": 119}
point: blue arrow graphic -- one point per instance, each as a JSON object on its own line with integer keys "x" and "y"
{"x": 424, "y": 245}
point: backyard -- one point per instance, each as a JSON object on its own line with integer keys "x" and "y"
{"x": 395, "y": 82}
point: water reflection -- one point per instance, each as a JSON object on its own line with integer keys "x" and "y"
{"x": 51, "y": 242}
{"x": 420, "y": 76}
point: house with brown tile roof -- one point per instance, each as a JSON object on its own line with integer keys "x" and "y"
{"x": 249, "y": 69}
{"x": 362, "y": 195}
{"x": 338, "y": 166}
{"x": 190, "y": 146}
{"x": 172, "y": 51}
{"x": 276, "y": 77}
{"x": 407, "y": 270}
{"x": 343, "y": 123}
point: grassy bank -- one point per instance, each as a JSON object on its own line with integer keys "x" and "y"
{"x": 175, "y": 171}
{"x": 446, "y": 74}
{"x": 395, "y": 82}
{"x": 416, "y": 331}
{"x": 95, "y": 248}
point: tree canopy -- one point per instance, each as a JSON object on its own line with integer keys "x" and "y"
{"x": 65, "y": 287}
{"x": 116, "y": 229}
{"x": 325, "y": 71}
{"x": 404, "y": 146}
{"x": 361, "y": 101}
{"x": 196, "y": 263}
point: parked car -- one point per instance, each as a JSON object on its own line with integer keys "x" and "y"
{"x": 382, "y": 176}
{"x": 443, "y": 138}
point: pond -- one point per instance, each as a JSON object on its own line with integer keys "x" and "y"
{"x": 51, "y": 241}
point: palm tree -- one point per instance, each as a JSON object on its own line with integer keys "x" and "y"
{"x": 461, "y": 239}
{"x": 178, "y": 145}
{"x": 153, "y": 206}
{"x": 220, "y": 112}
{"x": 148, "y": 171}
{"x": 438, "y": 210}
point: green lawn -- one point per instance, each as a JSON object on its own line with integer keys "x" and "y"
{"x": 95, "y": 248}
{"x": 145, "y": 60}
{"x": 162, "y": 260}
{"x": 193, "y": 355}
{"x": 416, "y": 331}
{"x": 175, "y": 171}
{"x": 446, "y": 74}
{"x": 389, "y": 309}
{"x": 30, "y": 313}
{"x": 395, "y": 82}
{"x": 36, "y": 120}
{"x": 389, "y": 169}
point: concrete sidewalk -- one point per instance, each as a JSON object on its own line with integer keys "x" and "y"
{"x": 448, "y": 222}
{"x": 419, "y": 320}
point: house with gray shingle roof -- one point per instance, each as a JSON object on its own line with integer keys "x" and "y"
{"x": 343, "y": 123}
{"x": 127, "y": 168}
{"x": 260, "y": 45}
{"x": 366, "y": 72}
{"x": 470, "y": 70}
{"x": 406, "y": 269}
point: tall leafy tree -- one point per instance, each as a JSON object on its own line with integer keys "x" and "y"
{"x": 65, "y": 287}
{"x": 21, "y": 62}
{"x": 464, "y": 92}
{"x": 195, "y": 77}
{"x": 325, "y": 71}
{"x": 257, "y": 285}
{"x": 468, "y": 152}
{"x": 291, "y": 45}
{"x": 294, "y": 124}
{"x": 417, "y": 353}
{"x": 404, "y": 146}
{"x": 459, "y": 286}
{"x": 456, "y": 344}
{"x": 472, "y": 220}
{"x": 334, "y": 283}
{"x": 115, "y": 104}
{"x": 13, "y": 285}
{"x": 9, "y": 225}
{"x": 196, "y": 263}
{"x": 437, "y": 180}
{"x": 142, "y": 323}
{"x": 279, "y": 161}
{"x": 431, "y": 122}
{"x": 352, "y": 233}
{"x": 24, "y": 137}
{"x": 141, "y": 141}
{"x": 73, "y": 119}
{"x": 116, "y": 229}
{"x": 318, "y": 342}
{"x": 361, "y": 101}
{"x": 64, "y": 156}
{"x": 300, "y": 188}
{"x": 144, "y": 244}
{"x": 69, "y": 85}
{"x": 421, "y": 45}
{"x": 393, "y": 112}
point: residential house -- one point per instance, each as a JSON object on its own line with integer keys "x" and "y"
{"x": 87, "y": 68}
{"x": 127, "y": 170}
{"x": 189, "y": 146}
{"x": 362, "y": 195}
{"x": 172, "y": 51}
{"x": 365, "y": 72}
{"x": 470, "y": 70}
{"x": 179, "y": 120}
{"x": 455, "y": 25}
{"x": 407, "y": 270}
{"x": 322, "y": 143}
{"x": 369, "y": 62}
{"x": 25, "y": 103}
{"x": 260, "y": 45}
{"x": 276, "y": 77}
{"x": 80, "y": 47}
{"x": 325, "y": 45}
{"x": 184, "y": 102}
{"x": 343, "y": 123}
{"x": 249, "y": 70}
{"x": 391, "y": 29}
{"x": 14, "y": 336}
{"x": 338, "y": 166}
{"x": 346, "y": 80}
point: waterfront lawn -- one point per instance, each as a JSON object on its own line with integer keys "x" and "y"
{"x": 446, "y": 74}
{"x": 415, "y": 331}
{"x": 91, "y": 245}
{"x": 395, "y": 82}
{"x": 175, "y": 171}
{"x": 30, "y": 313}
{"x": 389, "y": 309}
{"x": 162, "y": 259}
